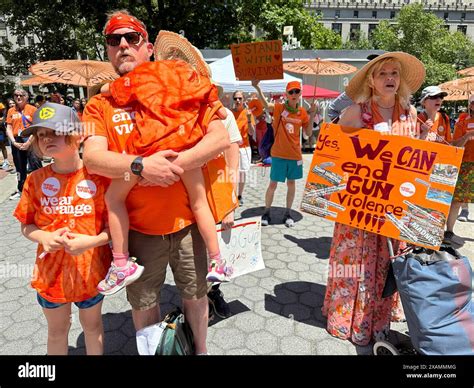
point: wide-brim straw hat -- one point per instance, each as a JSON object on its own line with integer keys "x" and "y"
{"x": 412, "y": 71}
{"x": 169, "y": 45}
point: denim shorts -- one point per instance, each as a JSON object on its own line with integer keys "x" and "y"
{"x": 85, "y": 304}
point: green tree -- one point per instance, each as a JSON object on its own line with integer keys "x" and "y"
{"x": 272, "y": 15}
{"x": 424, "y": 35}
{"x": 359, "y": 42}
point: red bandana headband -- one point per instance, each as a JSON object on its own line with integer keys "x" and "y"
{"x": 125, "y": 21}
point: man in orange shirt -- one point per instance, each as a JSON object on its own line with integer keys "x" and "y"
{"x": 19, "y": 117}
{"x": 287, "y": 161}
{"x": 162, "y": 225}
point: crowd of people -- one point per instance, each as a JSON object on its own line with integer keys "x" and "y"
{"x": 141, "y": 185}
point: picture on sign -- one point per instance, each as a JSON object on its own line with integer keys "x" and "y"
{"x": 390, "y": 185}
{"x": 258, "y": 60}
{"x": 241, "y": 246}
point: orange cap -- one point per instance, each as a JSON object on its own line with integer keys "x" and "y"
{"x": 256, "y": 107}
{"x": 293, "y": 85}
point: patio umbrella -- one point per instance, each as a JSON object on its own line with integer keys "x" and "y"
{"x": 75, "y": 71}
{"x": 319, "y": 67}
{"x": 35, "y": 80}
{"x": 467, "y": 72}
{"x": 309, "y": 92}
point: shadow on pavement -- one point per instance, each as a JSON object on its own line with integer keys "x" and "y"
{"x": 299, "y": 301}
{"x": 320, "y": 246}
{"x": 236, "y": 307}
{"x": 276, "y": 214}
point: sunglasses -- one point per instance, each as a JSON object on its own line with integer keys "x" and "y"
{"x": 434, "y": 97}
{"x": 238, "y": 98}
{"x": 294, "y": 91}
{"x": 130, "y": 37}
{"x": 19, "y": 95}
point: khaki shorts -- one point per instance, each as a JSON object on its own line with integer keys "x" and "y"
{"x": 186, "y": 254}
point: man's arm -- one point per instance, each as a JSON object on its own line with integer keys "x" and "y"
{"x": 261, "y": 97}
{"x": 215, "y": 141}
{"x": 156, "y": 168}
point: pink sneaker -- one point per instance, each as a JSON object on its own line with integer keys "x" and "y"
{"x": 219, "y": 271}
{"x": 119, "y": 277}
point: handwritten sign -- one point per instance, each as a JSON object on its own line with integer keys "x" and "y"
{"x": 241, "y": 246}
{"x": 390, "y": 185}
{"x": 258, "y": 60}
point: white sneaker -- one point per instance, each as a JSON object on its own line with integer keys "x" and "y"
{"x": 16, "y": 195}
{"x": 5, "y": 165}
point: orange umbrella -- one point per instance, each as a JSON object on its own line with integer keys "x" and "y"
{"x": 469, "y": 71}
{"x": 35, "y": 80}
{"x": 319, "y": 67}
{"x": 75, "y": 72}
{"x": 458, "y": 89}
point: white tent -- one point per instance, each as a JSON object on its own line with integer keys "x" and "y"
{"x": 223, "y": 74}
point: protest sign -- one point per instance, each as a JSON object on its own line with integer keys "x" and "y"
{"x": 257, "y": 60}
{"x": 390, "y": 185}
{"x": 241, "y": 246}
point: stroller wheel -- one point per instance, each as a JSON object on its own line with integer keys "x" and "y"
{"x": 384, "y": 348}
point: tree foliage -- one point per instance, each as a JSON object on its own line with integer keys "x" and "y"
{"x": 424, "y": 35}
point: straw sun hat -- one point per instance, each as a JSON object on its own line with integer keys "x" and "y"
{"x": 412, "y": 71}
{"x": 169, "y": 45}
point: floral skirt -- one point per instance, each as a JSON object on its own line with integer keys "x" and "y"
{"x": 465, "y": 186}
{"x": 353, "y": 304}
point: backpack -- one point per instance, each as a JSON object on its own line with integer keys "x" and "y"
{"x": 171, "y": 337}
{"x": 265, "y": 147}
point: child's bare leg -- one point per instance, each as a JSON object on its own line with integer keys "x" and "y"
{"x": 59, "y": 322}
{"x": 118, "y": 217}
{"x": 91, "y": 322}
{"x": 194, "y": 182}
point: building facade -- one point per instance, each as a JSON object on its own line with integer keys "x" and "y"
{"x": 353, "y": 18}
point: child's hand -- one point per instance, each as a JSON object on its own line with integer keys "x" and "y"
{"x": 105, "y": 89}
{"x": 76, "y": 244}
{"x": 53, "y": 241}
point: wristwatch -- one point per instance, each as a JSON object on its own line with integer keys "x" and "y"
{"x": 137, "y": 166}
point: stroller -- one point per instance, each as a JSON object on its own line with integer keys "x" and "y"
{"x": 436, "y": 292}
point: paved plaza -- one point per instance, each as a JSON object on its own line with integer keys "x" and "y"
{"x": 275, "y": 311}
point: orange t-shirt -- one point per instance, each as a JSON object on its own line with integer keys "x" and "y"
{"x": 441, "y": 126}
{"x": 52, "y": 201}
{"x": 463, "y": 116}
{"x": 460, "y": 129}
{"x": 287, "y": 132}
{"x": 20, "y": 120}
{"x": 243, "y": 124}
{"x": 152, "y": 210}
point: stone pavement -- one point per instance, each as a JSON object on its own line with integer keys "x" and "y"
{"x": 275, "y": 311}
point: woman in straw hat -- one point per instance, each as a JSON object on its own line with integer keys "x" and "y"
{"x": 354, "y": 306}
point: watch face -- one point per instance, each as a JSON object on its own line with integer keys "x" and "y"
{"x": 137, "y": 166}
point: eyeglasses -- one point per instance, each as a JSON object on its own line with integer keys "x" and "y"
{"x": 19, "y": 95}
{"x": 130, "y": 37}
{"x": 294, "y": 91}
{"x": 238, "y": 98}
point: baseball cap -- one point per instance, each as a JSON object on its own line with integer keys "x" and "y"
{"x": 431, "y": 91}
{"x": 57, "y": 117}
{"x": 293, "y": 85}
{"x": 471, "y": 98}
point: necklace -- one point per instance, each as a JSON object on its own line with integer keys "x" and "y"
{"x": 382, "y": 107}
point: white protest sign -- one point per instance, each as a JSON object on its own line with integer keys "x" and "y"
{"x": 241, "y": 246}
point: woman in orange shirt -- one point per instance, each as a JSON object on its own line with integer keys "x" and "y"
{"x": 435, "y": 125}
{"x": 63, "y": 210}
{"x": 464, "y": 192}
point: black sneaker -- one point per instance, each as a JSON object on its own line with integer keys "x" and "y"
{"x": 450, "y": 238}
{"x": 266, "y": 219}
{"x": 219, "y": 305}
